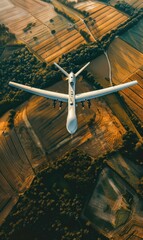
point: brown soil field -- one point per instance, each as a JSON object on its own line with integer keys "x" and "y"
{"x": 16, "y": 173}
{"x": 18, "y": 14}
{"x": 106, "y": 17}
{"x": 134, "y": 96}
{"x": 124, "y": 59}
{"x": 70, "y": 12}
{"x": 127, "y": 64}
{"x": 50, "y": 125}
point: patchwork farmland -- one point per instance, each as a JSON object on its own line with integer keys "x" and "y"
{"x": 102, "y": 18}
{"x": 47, "y": 34}
{"x": 127, "y": 65}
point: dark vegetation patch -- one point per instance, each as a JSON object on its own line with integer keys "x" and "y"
{"x": 126, "y": 8}
{"x": 22, "y": 66}
{"x": 52, "y": 207}
{"x": 5, "y": 35}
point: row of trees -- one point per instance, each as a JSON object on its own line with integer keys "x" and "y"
{"x": 125, "y": 7}
{"x": 11, "y": 118}
{"x": 22, "y": 66}
{"x": 71, "y": 5}
{"x": 29, "y": 26}
{"x": 53, "y": 205}
{"x": 64, "y": 14}
{"x": 85, "y": 35}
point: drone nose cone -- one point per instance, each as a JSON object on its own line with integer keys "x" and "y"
{"x": 71, "y": 125}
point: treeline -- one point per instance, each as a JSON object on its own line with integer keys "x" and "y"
{"x": 126, "y": 8}
{"x": 85, "y": 35}
{"x": 5, "y": 35}
{"x": 64, "y": 14}
{"x": 105, "y": 1}
{"x": 71, "y": 5}
{"x": 132, "y": 148}
{"x": 52, "y": 207}
{"x": 88, "y": 52}
{"x": 22, "y": 66}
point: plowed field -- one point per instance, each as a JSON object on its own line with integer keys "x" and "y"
{"x": 134, "y": 36}
{"x": 106, "y": 18}
{"x": 39, "y": 38}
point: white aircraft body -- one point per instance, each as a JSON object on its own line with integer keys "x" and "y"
{"x": 72, "y": 98}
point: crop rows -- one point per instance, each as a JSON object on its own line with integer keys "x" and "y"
{"x": 134, "y": 95}
{"x": 106, "y": 18}
{"x": 125, "y": 60}
{"x": 48, "y": 45}
{"x": 14, "y": 167}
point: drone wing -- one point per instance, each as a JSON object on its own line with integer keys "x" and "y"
{"x": 102, "y": 92}
{"x": 43, "y": 93}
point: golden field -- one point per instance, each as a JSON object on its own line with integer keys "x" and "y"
{"x": 39, "y": 38}
{"x": 106, "y": 18}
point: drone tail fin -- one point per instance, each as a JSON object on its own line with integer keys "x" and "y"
{"x": 76, "y": 74}
{"x": 61, "y": 69}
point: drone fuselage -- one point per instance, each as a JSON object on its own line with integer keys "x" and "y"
{"x": 71, "y": 118}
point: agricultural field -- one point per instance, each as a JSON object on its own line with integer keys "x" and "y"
{"x": 102, "y": 18}
{"x": 16, "y": 173}
{"x": 129, "y": 171}
{"x": 95, "y": 132}
{"x": 133, "y": 3}
{"x": 19, "y": 159}
{"x": 114, "y": 207}
{"x": 134, "y": 36}
{"x": 134, "y": 96}
{"x": 46, "y": 33}
{"x": 127, "y": 65}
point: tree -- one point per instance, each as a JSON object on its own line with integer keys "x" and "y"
{"x": 53, "y": 31}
